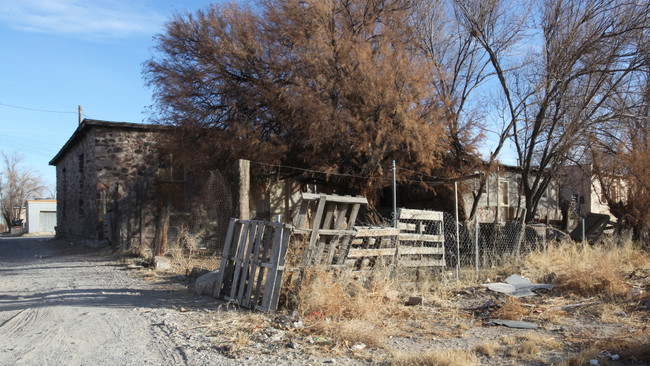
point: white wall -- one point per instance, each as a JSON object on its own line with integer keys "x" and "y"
{"x": 33, "y": 212}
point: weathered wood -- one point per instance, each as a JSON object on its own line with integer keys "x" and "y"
{"x": 224, "y": 258}
{"x": 246, "y": 266}
{"x": 241, "y": 247}
{"x": 335, "y": 198}
{"x": 421, "y": 237}
{"x": 267, "y": 244}
{"x": 243, "y": 181}
{"x": 361, "y": 253}
{"x": 314, "y": 233}
{"x": 410, "y": 214}
{"x": 302, "y": 214}
{"x": 406, "y": 250}
{"x": 364, "y": 232}
{"x": 422, "y": 263}
{"x": 160, "y": 240}
{"x": 340, "y": 221}
{"x": 255, "y": 263}
{"x": 327, "y": 223}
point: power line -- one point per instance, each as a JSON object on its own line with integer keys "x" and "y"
{"x": 35, "y": 109}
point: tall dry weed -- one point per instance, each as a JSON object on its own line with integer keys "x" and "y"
{"x": 347, "y": 308}
{"x": 447, "y": 357}
{"x": 587, "y": 270}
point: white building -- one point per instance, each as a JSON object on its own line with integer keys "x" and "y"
{"x": 41, "y": 216}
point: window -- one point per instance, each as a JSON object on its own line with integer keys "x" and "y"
{"x": 504, "y": 194}
{"x": 171, "y": 182}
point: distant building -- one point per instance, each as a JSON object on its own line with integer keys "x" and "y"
{"x": 40, "y": 216}
{"x": 580, "y": 184}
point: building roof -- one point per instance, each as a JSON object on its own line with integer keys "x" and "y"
{"x": 87, "y": 124}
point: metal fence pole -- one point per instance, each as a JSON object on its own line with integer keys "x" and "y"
{"x": 476, "y": 246}
{"x": 394, "y": 169}
{"x": 457, "y": 231}
{"x": 583, "y": 231}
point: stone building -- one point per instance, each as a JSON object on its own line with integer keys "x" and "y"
{"x": 111, "y": 178}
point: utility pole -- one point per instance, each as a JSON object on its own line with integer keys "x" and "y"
{"x": 80, "y": 115}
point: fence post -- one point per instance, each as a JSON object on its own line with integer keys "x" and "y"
{"x": 457, "y": 231}
{"x": 394, "y": 169}
{"x": 476, "y": 246}
{"x": 583, "y": 231}
{"x": 243, "y": 186}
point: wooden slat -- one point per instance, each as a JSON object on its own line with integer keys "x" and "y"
{"x": 410, "y": 214}
{"x": 246, "y": 261}
{"x": 240, "y": 252}
{"x": 422, "y": 263}
{"x": 216, "y": 292}
{"x": 421, "y": 237}
{"x": 327, "y": 224}
{"x": 364, "y": 232}
{"x": 360, "y": 253}
{"x": 284, "y": 247}
{"x": 306, "y": 259}
{"x": 338, "y": 225}
{"x": 335, "y": 232}
{"x": 254, "y": 262}
{"x": 302, "y": 214}
{"x": 406, "y": 226}
{"x": 335, "y": 198}
{"x": 405, "y": 250}
{"x": 266, "y": 243}
{"x": 346, "y": 240}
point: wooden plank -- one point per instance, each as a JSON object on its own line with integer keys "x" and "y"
{"x": 334, "y": 232}
{"x": 275, "y": 296}
{"x": 327, "y": 223}
{"x": 306, "y": 259}
{"x": 254, "y": 262}
{"x": 267, "y": 242}
{"x": 340, "y": 222}
{"x": 216, "y": 292}
{"x": 364, "y": 232}
{"x": 360, "y": 253}
{"x": 246, "y": 267}
{"x": 270, "y": 276}
{"x": 302, "y": 214}
{"x": 411, "y": 214}
{"x": 422, "y": 263}
{"x": 335, "y": 198}
{"x": 240, "y": 253}
{"x": 406, "y": 226}
{"x": 345, "y": 244}
{"x": 406, "y": 250}
{"x": 421, "y": 237}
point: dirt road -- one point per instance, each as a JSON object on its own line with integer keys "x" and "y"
{"x": 63, "y": 306}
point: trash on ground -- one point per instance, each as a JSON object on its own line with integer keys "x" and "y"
{"x": 513, "y": 324}
{"x": 517, "y": 286}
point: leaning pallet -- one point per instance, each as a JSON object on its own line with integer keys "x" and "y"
{"x": 421, "y": 238}
{"x": 252, "y": 264}
{"x": 331, "y": 227}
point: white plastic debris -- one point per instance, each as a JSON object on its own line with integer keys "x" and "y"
{"x": 593, "y": 362}
{"x": 615, "y": 357}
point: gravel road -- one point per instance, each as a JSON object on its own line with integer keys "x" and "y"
{"x": 60, "y": 305}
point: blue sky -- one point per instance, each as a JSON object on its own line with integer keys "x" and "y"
{"x": 58, "y": 54}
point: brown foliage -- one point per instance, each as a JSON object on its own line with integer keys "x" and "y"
{"x": 329, "y": 85}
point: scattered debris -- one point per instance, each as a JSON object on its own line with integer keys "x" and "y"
{"x": 414, "y": 300}
{"x": 358, "y": 346}
{"x": 513, "y": 324}
{"x": 161, "y": 263}
{"x": 517, "y": 286}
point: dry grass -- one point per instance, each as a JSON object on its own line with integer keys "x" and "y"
{"x": 511, "y": 310}
{"x": 587, "y": 270}
{"x": 347, "y": 309}
{"x": 487, "y": 349}
{"x": 447, "y": 357}
{"x": 185, "y": 254}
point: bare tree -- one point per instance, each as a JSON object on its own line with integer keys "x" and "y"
{"x": 472, "y": 44}
{"x": 586, "y": 48}
{"x": 17, "y": 185}
{"x": 621, "y": 148}
{"x": 327, "y": 85}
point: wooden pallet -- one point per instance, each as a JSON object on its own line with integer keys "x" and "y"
{"x": 372, "y": 246}
{"x": 331, "y": 228}
{"x": 252, "y": 263}
{"x": 421, "y": 238}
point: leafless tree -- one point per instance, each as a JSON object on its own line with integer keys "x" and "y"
{"x": 17, "y": 185}
{"x": 586, "y": 48}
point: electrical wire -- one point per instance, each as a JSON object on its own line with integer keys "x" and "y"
{"x": 35, "y": 109}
